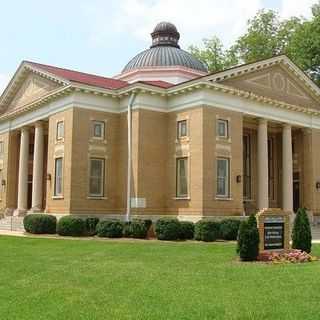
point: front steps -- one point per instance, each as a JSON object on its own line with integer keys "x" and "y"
{"x": 11, "y": 223}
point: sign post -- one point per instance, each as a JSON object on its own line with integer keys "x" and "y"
{"x": 274, "y": 230}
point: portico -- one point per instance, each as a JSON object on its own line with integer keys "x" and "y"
{"x": 272, "y": 185}
{"x": 31, "y": 163}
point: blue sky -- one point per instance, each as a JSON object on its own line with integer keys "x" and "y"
{"x": 100, "y": 36}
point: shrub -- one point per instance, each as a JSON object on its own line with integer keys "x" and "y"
{"x": 148, "y": 223}
{"x": 135, "y": 229}
{"x": 71, "y": 226}
{"x": 248, "y": 239}
{"x": 167, "y": 229}
{"x": 229, "y": 229}
{"x": 206, "y": 230}
{"x": 91, "y": 224}
{"x": 40, "y": 223}
{"x": 186, "y": 231}
{"x": 110, "y": 229}
{"x": 301, "y": 233}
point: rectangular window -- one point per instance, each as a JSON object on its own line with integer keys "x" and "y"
{"x": 58, "y": 177}
{"x": 182, "y": 177}
{"x": 98, "y": 129}
{"x": 60, "y": 130}
{"x": 1, "y": 147}
{"x": 96, "y": 179}
{"x": 182, "y": 129}
{"x": 223, "y": 185}
{"x": 222, "y": 128}
{"x": 246, "y": 167}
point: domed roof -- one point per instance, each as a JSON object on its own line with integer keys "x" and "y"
{"x": 165, "y": 51}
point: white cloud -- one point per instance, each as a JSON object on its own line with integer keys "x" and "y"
{"x": 4, "y": 79}
{"x": 291, "y": 8}
{"x": 195, "y": 20}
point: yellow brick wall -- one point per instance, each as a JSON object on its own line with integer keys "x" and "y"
{"x": 62, "y": 149}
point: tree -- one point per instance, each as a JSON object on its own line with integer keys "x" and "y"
{"x": 214, "y": 55}
{"x": 304, "y": 47}
{"x": 301, "y": 233}
{"x": 261, "y": 39}
{"x": 248, "y": 240}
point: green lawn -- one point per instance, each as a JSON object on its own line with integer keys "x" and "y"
{"x": 67, "y": 279}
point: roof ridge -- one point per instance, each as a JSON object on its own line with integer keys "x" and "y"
{"x": 71, "y": 70}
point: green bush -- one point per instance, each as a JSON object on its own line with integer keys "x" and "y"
{"x": 167, "y": 229}
{"x": 248, "y": 239}
{"x": 206, "y": 230}
{"x": 148, "y": 223}
{"x": 186, "y": 231}
{"x": 71, "y": 226}
{"x": 229, "y": 229}
{"x": 301, "y": 233}
{"x": 91, "y": 224}
{"x": 110, "y": 229}
{"x": 40, "y": 223}
{"x": 135, "y": 229}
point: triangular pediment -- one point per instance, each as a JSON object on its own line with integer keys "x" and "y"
{"x": 277, "y": 78}
{"x": 28, "y": 84}
{"x": 276, "y": 83}
{"x": 33, "y": 88}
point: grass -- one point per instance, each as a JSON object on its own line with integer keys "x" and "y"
{"x": 66, "y": 279}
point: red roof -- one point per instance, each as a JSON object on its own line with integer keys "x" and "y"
{"x": 80, "y": 77}
{"x": 93, "y": 80}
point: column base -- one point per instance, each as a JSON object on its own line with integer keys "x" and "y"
{"x": 19, "y": 212}
{"x": 35, "y": 210}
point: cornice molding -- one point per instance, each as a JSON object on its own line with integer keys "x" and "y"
{"x": 204, "y": 83}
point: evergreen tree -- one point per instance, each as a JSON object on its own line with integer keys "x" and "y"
{"x": 248, "y": 240}
{"x": 301, "y": 233}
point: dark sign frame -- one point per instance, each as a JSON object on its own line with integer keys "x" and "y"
{"x": 270, "y": 242}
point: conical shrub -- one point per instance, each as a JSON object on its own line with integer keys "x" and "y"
{"x": 248, "y": 240}
{"x": 301, "y": 233}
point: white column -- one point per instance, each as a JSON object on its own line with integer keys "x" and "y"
{"x": 23, "y": 172}
{"x": 263, "y": 175}
{"x": 37, "y": 179}
{"x": 287, "y": 171}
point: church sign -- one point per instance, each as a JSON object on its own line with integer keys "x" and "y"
{"x": 274, "y": 230}
{"x": 274, "y": 233}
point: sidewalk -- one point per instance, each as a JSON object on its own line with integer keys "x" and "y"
{"x": 315, "y": 236}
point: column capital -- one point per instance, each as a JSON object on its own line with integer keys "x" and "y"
{"x": 262, "y": 121}
{"x": 286, "y": 126}
{"x": 38, "y": 124}
{"x": 24, "y": 129}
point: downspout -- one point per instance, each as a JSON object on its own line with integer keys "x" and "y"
{"x": 129, "y": 117}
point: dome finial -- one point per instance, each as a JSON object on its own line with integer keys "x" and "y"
{"x": 165, "y": 34}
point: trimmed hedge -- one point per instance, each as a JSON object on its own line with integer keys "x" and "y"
{"x": 71, "y": 226}
{"x": 301, "y": 233}
{"x": 40, "y": 223}
{"x": 135, "y": 229}
{"x": 248, "y": 239}
{"x": 167, "y": 229}
{"x": 110, "y": 229}
{"x": 229, "y": 229}
{"x": 91, "y": 224}
{"x": 186, "y": 231}
{"x": 206, "y": 230}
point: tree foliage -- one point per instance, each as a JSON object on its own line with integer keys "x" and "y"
{"x": 268, "y": 35}
{"x": 214, "y": 55}
{"x": 301, "y": 233}
{"x": 248, "y": 239}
